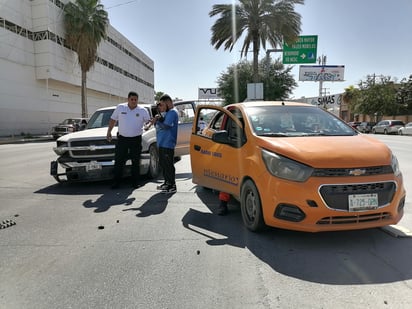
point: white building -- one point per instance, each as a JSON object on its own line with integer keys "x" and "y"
{"x": 40, "y": 78}
{"x": 330, "y": 102}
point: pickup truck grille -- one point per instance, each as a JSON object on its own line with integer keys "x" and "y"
{"x": 61, "y": 130}
{"x": 92, "y": 149}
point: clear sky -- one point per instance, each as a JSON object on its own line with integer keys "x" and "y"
{"x": 366, "y": 36}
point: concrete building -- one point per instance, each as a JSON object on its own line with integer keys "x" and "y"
{"x": 40, "y": 78}
{"x": 333, "y": 103}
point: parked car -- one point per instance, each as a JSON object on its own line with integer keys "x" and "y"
{"x": 406, "y": 130}
{"x": 365, "y": 126}
{"x": 88, "y": 156}
{"x": 354, "y": 124}
{"x": 69, "y": 125}
{"x": 388, "y": 126}
{"x": 292, "y": 165}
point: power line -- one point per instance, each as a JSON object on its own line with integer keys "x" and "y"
{"x": 120, "y": 4}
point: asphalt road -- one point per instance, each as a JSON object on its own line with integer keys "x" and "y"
{"x": 86, "y": 246}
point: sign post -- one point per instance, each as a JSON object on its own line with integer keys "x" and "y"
{"x": 302, "y": 51}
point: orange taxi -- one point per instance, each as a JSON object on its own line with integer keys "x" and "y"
{"x": 296, "y": 166}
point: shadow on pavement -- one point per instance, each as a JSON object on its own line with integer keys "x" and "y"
{"x": 340, "y": 258}
{"x": 104, "y": 202}
{"x": 155, "y": 205}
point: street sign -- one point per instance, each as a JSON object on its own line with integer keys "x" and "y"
{"x": 302, "y": 51}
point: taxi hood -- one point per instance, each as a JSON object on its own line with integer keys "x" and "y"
{"x": 330, "y": 151}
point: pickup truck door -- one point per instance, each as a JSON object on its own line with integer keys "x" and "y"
{"x": 215, "y": 151}
{"x": 186, "y": 111}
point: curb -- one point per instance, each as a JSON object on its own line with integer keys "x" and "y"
{"x": 22, "y": 140}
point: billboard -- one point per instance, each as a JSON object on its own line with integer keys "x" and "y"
{"x": 325, "y": 73}
{"x": 208, "y": 94}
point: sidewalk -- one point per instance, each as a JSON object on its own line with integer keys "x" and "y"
{"x": 24, "y": 139}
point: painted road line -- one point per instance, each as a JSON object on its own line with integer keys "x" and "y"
{"x": 397, "y": 231}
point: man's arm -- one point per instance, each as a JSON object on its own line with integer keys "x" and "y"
{"x": 112, "y": 122}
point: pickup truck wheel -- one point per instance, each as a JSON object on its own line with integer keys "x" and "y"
{"x": 154, "y": 168}
{"x": 251, "y": 207}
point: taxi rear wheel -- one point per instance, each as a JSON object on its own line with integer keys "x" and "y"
{"x": 251, "y": 207}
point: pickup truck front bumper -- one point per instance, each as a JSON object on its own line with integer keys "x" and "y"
{"x": 78, "y": 171}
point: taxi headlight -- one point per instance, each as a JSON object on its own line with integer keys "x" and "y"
{"x": 285, "y": 168}
{"x": 395, "y": 165}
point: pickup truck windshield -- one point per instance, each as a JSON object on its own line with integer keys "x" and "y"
{"x": 100, "y": 119}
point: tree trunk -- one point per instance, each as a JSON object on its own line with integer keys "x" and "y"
{"x": 84, "y": 95}
{"x": 255, "y": 61}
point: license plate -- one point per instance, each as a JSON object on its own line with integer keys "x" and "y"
{"x": 92, "y": 166}
{"x": 358, "y": 202}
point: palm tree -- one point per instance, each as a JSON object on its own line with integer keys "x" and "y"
{"x": 273, "y": 21}
{"x": 351, "y": 98}
{"x": 85, "y": 24}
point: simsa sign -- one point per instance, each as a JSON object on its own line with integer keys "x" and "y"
{"x": 325, "y": 73}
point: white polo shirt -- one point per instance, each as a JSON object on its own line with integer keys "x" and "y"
{"x": 130, "y": 121}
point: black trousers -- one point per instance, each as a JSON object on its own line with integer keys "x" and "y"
{"x": 166, "y": 162}
{"x": 127, "y": 148}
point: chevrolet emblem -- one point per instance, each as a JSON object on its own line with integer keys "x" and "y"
{"x": 357, "y": 172}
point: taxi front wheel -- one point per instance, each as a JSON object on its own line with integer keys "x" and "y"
{"x": 251, "y": 207}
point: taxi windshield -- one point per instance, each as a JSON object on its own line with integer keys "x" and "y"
{"x": 295, "y": 121}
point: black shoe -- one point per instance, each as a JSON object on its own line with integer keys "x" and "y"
{"x": 163, "y": 186}
{"x": 222, "y": 210}
{"x": 116, "y": 185}
{"x": 169, "y": 189}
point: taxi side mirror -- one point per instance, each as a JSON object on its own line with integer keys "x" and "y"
{"x": 221, "y": 137}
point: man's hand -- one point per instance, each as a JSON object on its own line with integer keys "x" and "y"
{"x": 109, "y": 136}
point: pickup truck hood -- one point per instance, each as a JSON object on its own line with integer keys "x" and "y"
{"x": 87, "y": 134}
{"x": 98, "y": 133}
{"x": 331, "y": 151}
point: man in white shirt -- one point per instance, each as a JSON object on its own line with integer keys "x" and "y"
{"x": 131, "y": 119}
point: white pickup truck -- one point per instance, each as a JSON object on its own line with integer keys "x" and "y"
{"x": 87, "y": 155}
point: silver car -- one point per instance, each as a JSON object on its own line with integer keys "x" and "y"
{"x": 406, "y": 130}
{"x": 388, "y": 126}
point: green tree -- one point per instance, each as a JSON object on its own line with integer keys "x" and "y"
{"x": 273, "y": 21}
{"x": 278, "y": 80}
{"x": 158, "y": 95}
{"x": 233, "y": 82}
{"x": 351, "y": 97}
{"x": 86, "y": 25}
{"x": 404, "y": 94}
{"x": 377, "y": 96}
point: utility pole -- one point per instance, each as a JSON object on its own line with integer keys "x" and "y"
{"x": 322, "y": 62}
